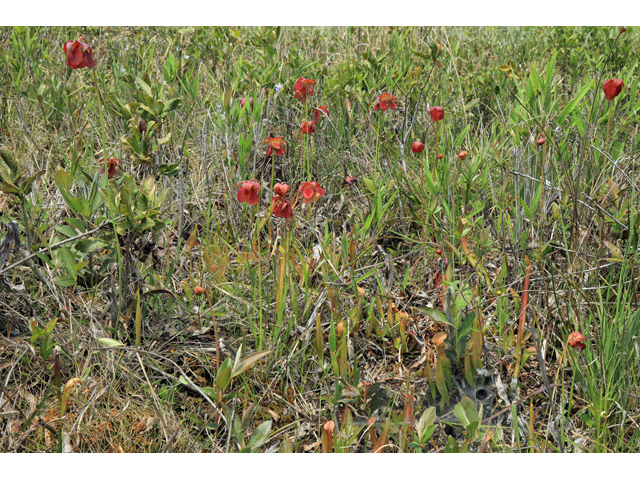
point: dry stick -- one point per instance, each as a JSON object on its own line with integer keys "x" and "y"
{"x": 54, "y": 246}
{"x": 523, "y": 316}
{"x": 163, "y": 421}
{"x": 543, "y": 370}
{"x": 535, "y": 392}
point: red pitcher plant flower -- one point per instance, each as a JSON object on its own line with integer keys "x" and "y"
{"x": 540, "y": 140}
{"x": 417, "y": 147}
{"x": 437, "y": 113}
{"x": 349, "y": 180}
{"x": 281, "y": 207}
{"x": 317, "y": 112}
{"x": 308, "y": 127}
{"x": 248, "y": 191}
{"x": 198, "y": 291}
{"x": 384, "y": 100}
{"x": 281, "y": 189}
{"x": 275, "y": 144}
{"x": 79, "y": 54}
{"x": 612, "y": 88}
{"x": 111, "y": 164}
{"x": 462, "y": 154}
{"x": 311, "y": 192}
{"x": 304, "y": 87}
{"x": 243, "y": 100}
{"x": 576, "y": 340}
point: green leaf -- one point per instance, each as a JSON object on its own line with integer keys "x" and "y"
{"x": 67, "y": 280}
{"x": 165, "y": 139}
{"x": 259, "y": 436}
{"x": 63, "y": 180}
{"x": 66, "y": 230}
{"x": 241, "y": 365}
{"x": 144, "y": 87}
{"x": 10, "y": 160}
{"x": 425, "y": 422}
{"x": 224, "y": 375}
{"x": 569, "y": 107}
{"x": 9, "y": 188}
{"x": 26, "y": 186}
{"x": 171, "y": 105}
{"x": 68, "y": 260}
{"x": 74, "y": 222}
{"x": 110, "y": 342}
{"x": 435, "y": 314}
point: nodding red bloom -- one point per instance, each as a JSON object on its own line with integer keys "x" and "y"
{"x": 243, "y": 100}
{"x": 439, "y": 156}
{"x": 311, "y": 192}
{"x": 576, "y": 340}
{"x": 248, "y": 191}
{"x": 541, "y": 140}
{"x": 462, "y": 155}
{"x": 79, "y": 54}
{"x": 304, "y": 87}
{"x": 281, "y": 207}
{"x": 612, "y": 88}
{"x": 281, "y": 189}
{"x": 317, "y": 114}
{"x": 112, "y": 164}
{"x": 383, "y": 100}
{"x": 308, "y": 127}
{"x": 198, "y": 291}
{"x": 275, "y": 144}
{"x": 349, "y": 180}
{"x": 417, "y": 147}
{"x": 437, "y": 113}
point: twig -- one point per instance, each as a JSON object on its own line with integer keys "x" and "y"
{"x": 54, "y": 246}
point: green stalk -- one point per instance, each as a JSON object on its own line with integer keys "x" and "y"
{"x": 261, "y": 334}
{"x": 608, "y": 125}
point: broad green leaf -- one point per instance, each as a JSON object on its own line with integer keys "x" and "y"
{"x": 259, "y": 436}
{"x": 435, "y": 314}
{"x": 110, "y": 342}
{"x": 63, "y": 180}
{"x": 241, "y": 365}
{"x": 144, "y": 87}
{"x": 68, "y": 260}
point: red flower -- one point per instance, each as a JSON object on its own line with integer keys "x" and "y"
{"x": 383, "y": 100}
{"x": 417, "y": 147}
{"x": 79, "y": 54}
{"x": 439, "y": 156}
{"x": 317, "y": 114}
{"x": 437, "y": 113}
{"x": 276, "y": 144}
{"x": 576, "y": 340}
{"x": 303, "y": 87}
{"x": 462, "y": 155}
{"x": 349, "y": 180}
{"x": 308, "y": 127}
{"x": 612, "y": 88}
{"x": 311, "y": 192}
{"x": 281, "y": 207}
{"x": 248, "y": 192}
{"x": 541, "y": 140}
{"x": 243, "y": 100}
{"x": 281, "y": 189}
{"x": 198, "y": 291}
{"x": 112, "y": 163}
